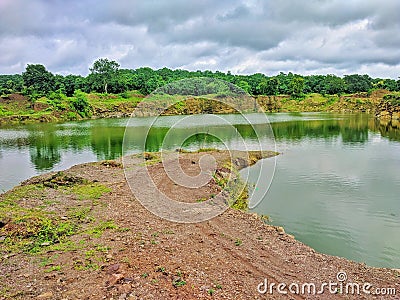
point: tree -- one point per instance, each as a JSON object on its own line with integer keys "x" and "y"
{"x": 38, "y": 79}
{"x": 297, "y": 86}
{"x": 244, "y": 85}
{"x": 358, "y": 83}
{"x": 73, "y": 83}
{"x": 268, "y": 87}
{"x": 103, "y": 71}
{"x": 332, "y": 85}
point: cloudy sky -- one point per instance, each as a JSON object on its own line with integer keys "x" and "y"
{"x": 307, "y": 37}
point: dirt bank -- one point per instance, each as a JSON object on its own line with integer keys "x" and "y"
{"x": 18, "y": 109}
{"x": 80, "y": 234}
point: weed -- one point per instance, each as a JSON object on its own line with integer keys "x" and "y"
{"x": 98, "y": 230}
{"x": 160, "y": 269}
{"x": 81, "y": 214}
{"x": 102, "y": 248}
{"x": 238, "y": 242}
{"x": 144, "y": 275}
{"x": 53, "y": 268}
{"x": 211, "y": 292}
{"x": 178, "y": 282}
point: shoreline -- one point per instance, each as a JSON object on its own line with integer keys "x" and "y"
{"x": 103, "y": 106}
{"x": 112, "y": 241}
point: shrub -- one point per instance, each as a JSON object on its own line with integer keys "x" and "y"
{"x": 80, "y": 103}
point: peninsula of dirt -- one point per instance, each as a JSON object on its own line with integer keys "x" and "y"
{"x": 81, "y": 234}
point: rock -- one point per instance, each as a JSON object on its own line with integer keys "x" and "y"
{"x": 45, "y": 244}
{"x": 122, "y": 296}
{"x": 114, "y": 279}
{"x": 280, "y": 230}
{"x": 47, "y": 295}
{"x": 113, "y": 269}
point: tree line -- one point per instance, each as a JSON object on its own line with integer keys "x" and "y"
{"x": 106, "y": 76}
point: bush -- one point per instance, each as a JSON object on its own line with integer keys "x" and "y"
{"x": 72, "y": 116}
{"x": 125, "y": 95}
{"x": 80, "y": 104}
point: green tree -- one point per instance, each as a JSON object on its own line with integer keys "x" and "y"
{"x": 37, "y": 79}
{"x": 268, "y": 87}
{"x": 73, "y": 83}
{"x": 332, "y": 85}
{"x": 357, "y": 83}
{"x": 297, "y": 86}
{"x": 103, "y": 71}
{"x": 244, "y": 85}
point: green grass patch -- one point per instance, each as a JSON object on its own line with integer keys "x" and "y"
{"x": 90, "y": 191}
{"x": 98, "y": 230}
{"x": 12, "y": 197}
{"x": 80, "y": 214}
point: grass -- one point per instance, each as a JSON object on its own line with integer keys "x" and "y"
{"x": 21, "y": 192}
{"x": 35, "y": 230}
{"x": 53, "y": 268}
{"x": 91, "y": 191}
{"x": 61, "y": 108}
{"x": 80, "y": 214}
{"x": 31, "y": 229}
{"x": 178, "y": 282}
{"x": 98, "y": 230}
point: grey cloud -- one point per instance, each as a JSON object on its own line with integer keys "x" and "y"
{"x": 243, "y": 36}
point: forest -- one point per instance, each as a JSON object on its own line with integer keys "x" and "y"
{"x": 106, "y": 76}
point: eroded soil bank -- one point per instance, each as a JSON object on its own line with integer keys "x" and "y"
{"x": 81, "y": 234}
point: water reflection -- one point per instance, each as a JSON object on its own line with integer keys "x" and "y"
{"x": 103, "y": 138}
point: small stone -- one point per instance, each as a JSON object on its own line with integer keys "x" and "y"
{"x": 280, "y": 230}
{"x": 109, "y": 256}
{"x": 46, "y": 295}
{"x": 122, "y": 296}
{"x": 114, "y": 278}
{"x": 113, "y": 269}
{"x": 45, "y": 244}
{"x": 64, "y": 218}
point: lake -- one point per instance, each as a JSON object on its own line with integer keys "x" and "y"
{"x": 336, "y": 184}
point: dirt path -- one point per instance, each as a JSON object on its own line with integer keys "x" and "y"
{"x": 116, "y": 249}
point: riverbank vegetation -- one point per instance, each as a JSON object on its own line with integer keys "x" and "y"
{"x": 109, "y": 91}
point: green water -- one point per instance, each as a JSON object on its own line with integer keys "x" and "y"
{"x": 336, "y": 185}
